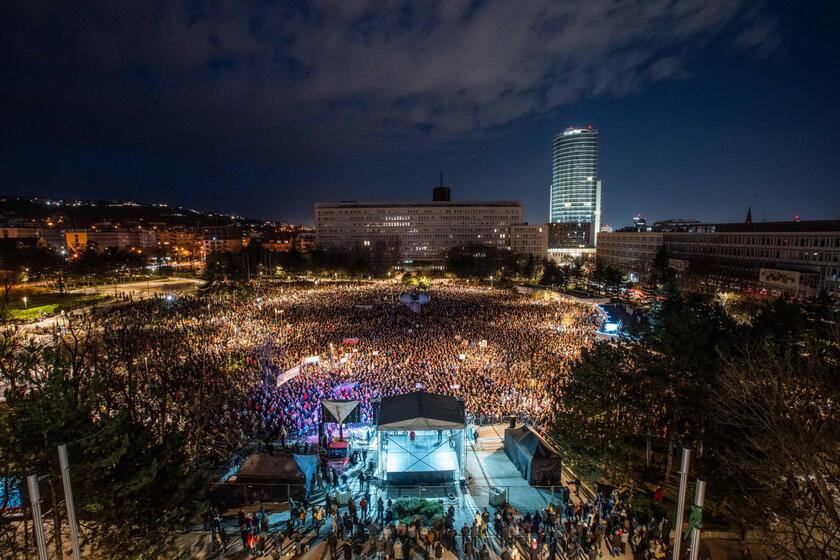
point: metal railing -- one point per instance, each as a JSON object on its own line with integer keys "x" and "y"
{"x": 523, "y": 497}
{"x": 229, "y": 495}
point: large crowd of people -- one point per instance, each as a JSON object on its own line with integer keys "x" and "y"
{"x": 268, "y": 356}
{"x": 254, "y": 365}
{"x": 495, "y": 349}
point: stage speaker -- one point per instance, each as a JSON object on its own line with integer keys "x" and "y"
{"x": 513, "y": 422}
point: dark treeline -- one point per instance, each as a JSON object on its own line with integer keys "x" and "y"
{"x": 378, "y": 260}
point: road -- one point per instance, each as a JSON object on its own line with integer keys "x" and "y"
{"x": 137, "y": 290}
{"x": 146, "y": 288}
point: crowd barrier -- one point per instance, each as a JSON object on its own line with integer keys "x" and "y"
{"x": 232, "y": 495}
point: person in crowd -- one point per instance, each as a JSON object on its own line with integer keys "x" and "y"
{"x": 332, "y": 543}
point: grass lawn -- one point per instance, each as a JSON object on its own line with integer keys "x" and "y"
{"x": 47, "y": 303}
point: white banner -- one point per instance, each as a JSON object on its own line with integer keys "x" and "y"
{"x": 288, "y": 374}
{"x": 295, "y": 371}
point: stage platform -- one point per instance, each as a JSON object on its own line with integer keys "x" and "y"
{"x": 423, "y": 461}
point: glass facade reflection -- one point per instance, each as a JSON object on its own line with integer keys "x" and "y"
{"x": 575, "y": 188}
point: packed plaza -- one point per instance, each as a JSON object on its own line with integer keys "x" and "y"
{"x": 294, "y": 345}
{"x": 247, "y": 380}
{"x": 496, "y": 350}
{"x": 487, "y": 347}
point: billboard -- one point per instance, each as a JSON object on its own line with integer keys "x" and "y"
{"x": 679, "y": 265}
{"x": 786, "y": 279}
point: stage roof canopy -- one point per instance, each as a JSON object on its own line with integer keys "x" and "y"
{"x": 420, "y": 411}
{"x": 340, "y": 411}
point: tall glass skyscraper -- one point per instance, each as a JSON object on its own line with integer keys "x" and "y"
{"x": 575, "y": 188}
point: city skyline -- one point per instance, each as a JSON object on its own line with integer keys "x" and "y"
{"x": 266, "y": 111}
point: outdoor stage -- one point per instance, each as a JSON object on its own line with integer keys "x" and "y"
{"x": 436, "y": 454}
{"x": 426, "y": 460}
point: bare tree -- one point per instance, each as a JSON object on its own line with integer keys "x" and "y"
{"x": 9, "y": 280}
{"x": 782, "y": 404}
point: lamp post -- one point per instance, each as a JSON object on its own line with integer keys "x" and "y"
{"x": 64, "y": 462}
{"x": 37, "y": 518}
{"x": 699, "y": 502}
{"x": 686, "y": 462}
{"x": 25, "y": 302}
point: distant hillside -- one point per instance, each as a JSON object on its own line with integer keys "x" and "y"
{"x": 80, "y": 213}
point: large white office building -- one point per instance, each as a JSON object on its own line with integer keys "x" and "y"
{"x": 423, "y": 231}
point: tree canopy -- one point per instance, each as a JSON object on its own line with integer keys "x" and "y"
{"x": 756, "y": 400}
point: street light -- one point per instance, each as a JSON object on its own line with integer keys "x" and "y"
{"x": 25, "y": 302}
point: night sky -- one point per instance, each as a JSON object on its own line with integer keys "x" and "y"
{"x": 704, "y": 107}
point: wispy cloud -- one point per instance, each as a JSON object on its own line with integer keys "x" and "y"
{"x": 255, "y": 72}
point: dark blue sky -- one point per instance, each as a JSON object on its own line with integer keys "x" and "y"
{"x": 705, "y": 107}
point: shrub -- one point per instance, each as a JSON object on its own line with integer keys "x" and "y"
{"x": 407, "y": 508}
